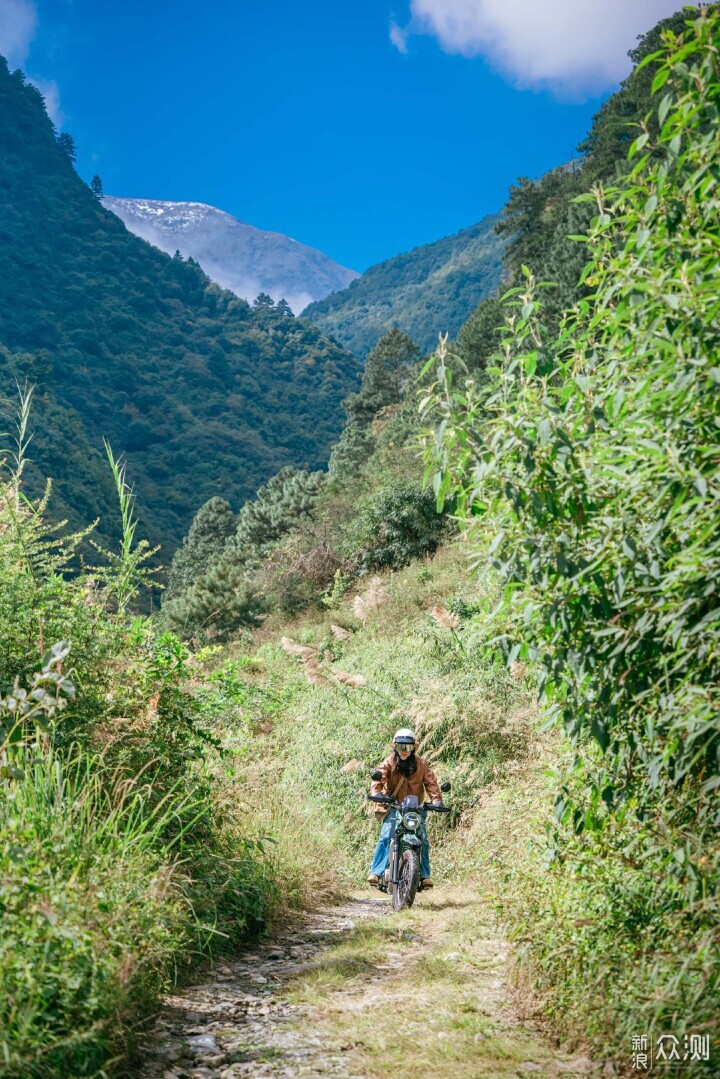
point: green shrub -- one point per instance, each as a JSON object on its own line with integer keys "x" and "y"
{"x": 119, "y": 863}
{"x": 586, "y": 471}
{"x": 394, "y": 525}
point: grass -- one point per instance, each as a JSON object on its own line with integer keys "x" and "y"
{"x": 426, "y": 986}
{"x": 479, "y": 729}
{"x": 104, "y": 898}
{"x": 472, "y": 718}
{"x": 92, "y": 917}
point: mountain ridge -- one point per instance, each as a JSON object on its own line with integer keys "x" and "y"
{"x": 238, "y": 256}
{"x": 433, "y": 288}
{"x": 200, "y": 391}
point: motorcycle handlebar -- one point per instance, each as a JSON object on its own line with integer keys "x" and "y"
{"x": 385, "y": 799}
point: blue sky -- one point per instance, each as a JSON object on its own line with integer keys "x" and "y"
{"x": 363, "y": 129}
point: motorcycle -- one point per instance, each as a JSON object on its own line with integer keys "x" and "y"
{"x": 402, "y": 876}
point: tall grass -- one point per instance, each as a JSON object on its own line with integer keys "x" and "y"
{"x": 93, "y": 914}
{"x": 118, "y": 866}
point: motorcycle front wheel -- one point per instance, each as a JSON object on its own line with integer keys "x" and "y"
{"x": 409, "y": 877}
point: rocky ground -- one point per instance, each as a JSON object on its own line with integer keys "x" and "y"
{"x": 356, "y": 991}
{"x": 239, "y": 1023}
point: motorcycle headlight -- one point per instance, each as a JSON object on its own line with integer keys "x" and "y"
{"x": 411, "y": 820}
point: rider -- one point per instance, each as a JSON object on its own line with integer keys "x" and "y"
{"x": 402, "y": 774}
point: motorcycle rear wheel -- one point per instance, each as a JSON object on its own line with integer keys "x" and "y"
{"x": 409, "y": 877}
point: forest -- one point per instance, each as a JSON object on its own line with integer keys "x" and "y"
{"x": 514, "y": 549}
{"x": 201, "y": 391}
{"x": 437, "y": 284}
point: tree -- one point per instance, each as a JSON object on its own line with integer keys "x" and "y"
{"x": 216, "y": 605}
{"x": 96, "y": 186}
{"x": 212, "y": 526}
{"x": 210, "y": 589}
{"x": 67, "y": 144}
{"x": 617, "y": 123}
{"x": 480, "y": 337}
{"x": 352, "y": 450}
{"x": 396, "y": 524}
{"x": 388, "y": 370}
{"x": 284, "y": 308}
{"x": 284, "y": 503}
{"x": 263, "y": 300}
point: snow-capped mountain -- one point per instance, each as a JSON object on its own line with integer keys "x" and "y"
{"x": 239, "y": 257}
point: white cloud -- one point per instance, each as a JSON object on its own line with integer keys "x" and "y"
{"x": 18, "y": 23}
{"x": 51, "y": 92}
{"x": 399, "y": 37}
{"x": 573, "y": 47}
{"x": 18, "y": 26}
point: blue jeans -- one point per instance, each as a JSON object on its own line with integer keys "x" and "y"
{"x": 382, "y": 851}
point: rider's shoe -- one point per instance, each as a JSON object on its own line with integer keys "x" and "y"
{"x": 427, "y": 882}
{"x": 373, "y": 879}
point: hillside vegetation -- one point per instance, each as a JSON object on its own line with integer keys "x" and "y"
{"x": 429, "y": 290}
{"x": 202, "y": 392}
{"x": 580, "y": 460}
{"x": 584, "y": 469}
{"x": 544, "y": 614}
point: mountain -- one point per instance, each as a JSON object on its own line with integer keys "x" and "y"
{"x": 201, "y": 392}
{"x": 429, "y": 290}
{"x": 239, "y": 257}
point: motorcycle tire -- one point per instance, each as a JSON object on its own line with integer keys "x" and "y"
{"x": 409, "y": 877}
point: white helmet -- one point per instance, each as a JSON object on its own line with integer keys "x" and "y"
{"x": 405, "y": 735}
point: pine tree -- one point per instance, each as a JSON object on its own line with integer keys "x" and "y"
{"x": 67, "y": 144}
{"x": 216, "y": 605}
{"x": 263, "y": 300}
{"x": 285, "y": 502}
{"x": 388, "y": 369}
{"x": 352, "y": 450}
{"x": 96, "y": 186}
{"x": 481, "y": 335}
{"x": 212, "y": 526}
{"x": 209, "y": 592}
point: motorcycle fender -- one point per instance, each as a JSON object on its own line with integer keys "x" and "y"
{"x": 411, "y": 841}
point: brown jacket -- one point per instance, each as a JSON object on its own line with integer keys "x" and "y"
{"x": 423, "y": 777}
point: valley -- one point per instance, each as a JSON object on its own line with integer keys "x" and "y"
{"x": 471, "y": 497}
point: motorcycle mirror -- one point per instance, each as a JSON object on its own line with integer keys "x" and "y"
{"x": 445, "y": 786}
{"x": 376, "y": 775}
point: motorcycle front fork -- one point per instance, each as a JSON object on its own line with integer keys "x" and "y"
{"x": 393, "y": 866}
{"x": 394, "y": 860}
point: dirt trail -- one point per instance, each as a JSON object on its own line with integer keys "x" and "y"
{"x": 357, "y": 991}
